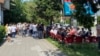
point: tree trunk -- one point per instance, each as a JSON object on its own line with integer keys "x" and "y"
{"x": 51, "y": 20}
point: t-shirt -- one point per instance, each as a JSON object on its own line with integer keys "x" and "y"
{"x": 9, "y": 30}
{"x": 72, "y": 32}
{"x": 34, "y": 27}
{"x": 13, "y": 29}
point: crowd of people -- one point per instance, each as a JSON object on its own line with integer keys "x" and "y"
{"x": 67, "y": 31}
{"x": 70, "y": 30}
{"x": 41, "y": 31}
{"x": 24, "y": 29}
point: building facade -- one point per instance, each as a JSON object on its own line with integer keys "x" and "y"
{"x": 4, "y": 5}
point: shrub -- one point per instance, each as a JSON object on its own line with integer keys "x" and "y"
{"x": 98, "y": 20}
{"x": 2, "y": 33}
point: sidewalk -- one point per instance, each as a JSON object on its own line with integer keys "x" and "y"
{"x": 28, "y": 46}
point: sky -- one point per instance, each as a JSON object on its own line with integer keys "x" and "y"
{"x": 98, "y": 13}
{"x": 25, "y": 0}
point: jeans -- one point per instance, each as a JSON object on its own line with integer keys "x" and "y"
{"x": 13, "y": 34}
{"x": 40, "y": 34}
{"x": 24, "y": 33}
{"x": 34, "y": 34}
{"x": 30, "y": 32}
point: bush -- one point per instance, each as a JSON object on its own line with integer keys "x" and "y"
{"x": 2, "y": 33}
{"x": 98, "y": 20}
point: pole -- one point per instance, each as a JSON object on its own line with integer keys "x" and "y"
{"x": 73, "y": 20}
{"x": 95, "y": 17}
{"x": 62, "y": 13}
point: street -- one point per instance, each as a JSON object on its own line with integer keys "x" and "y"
{"x": 28, "y": 46}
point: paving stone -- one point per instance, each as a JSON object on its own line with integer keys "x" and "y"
{"x": 28, "y": 46}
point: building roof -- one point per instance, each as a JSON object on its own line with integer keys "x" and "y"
{"x": 1, "y": 1}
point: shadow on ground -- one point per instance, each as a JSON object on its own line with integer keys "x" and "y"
{"x": 54, "y": 53}
{"x": 2, "y": 42}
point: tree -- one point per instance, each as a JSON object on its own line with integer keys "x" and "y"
{"x": 15, "y": 14}
{"x": 33, "y": 10}
{"x": 48, "y": 9}
{"x": 27, "y": 10}
{"x": 80, "y": 14}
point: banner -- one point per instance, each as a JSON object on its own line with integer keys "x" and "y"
{"x": 68, "y": 7}
{"x": 88, "y": 8}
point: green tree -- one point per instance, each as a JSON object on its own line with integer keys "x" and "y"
{"x": 98, "y": 19}
{"x": 80, "y": 14}
{"x": 27, "y": 11}
{"x": 33, "y": 10}
{"x": 15, "y": 14}
{"x": 48, "y": 9}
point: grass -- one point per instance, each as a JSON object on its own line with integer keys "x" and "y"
{"x": 85, "y": 49}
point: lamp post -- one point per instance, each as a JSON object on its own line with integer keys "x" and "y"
{"x": 73, "y": 20}
{"x": 62, "y": 13}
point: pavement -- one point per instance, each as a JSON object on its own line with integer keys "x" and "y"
{"x": 29, "y": 46}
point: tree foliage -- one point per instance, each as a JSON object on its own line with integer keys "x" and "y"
{"x": 84, "y": 19}
{"x": 32, "y": 10}
{"x": 27, "y": 10}
{"x": 48, "y": 9}
{"x": 98, "y": 19}
{"x": 15, "y": 13}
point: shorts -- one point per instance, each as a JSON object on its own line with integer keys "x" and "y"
{"x": 9, "y": 34}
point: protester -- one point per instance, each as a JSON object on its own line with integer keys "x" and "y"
{"x": 40, "y": 28}
{"x": 8, "y": 32}
{"x": 34, "y": 29}
{"x": 13, "y": 30}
